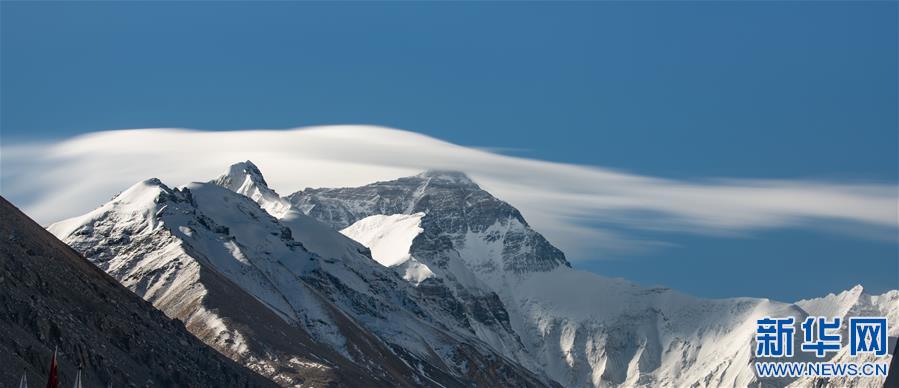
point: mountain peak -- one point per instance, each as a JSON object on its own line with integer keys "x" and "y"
{"x": 145, "y": 191}
{"x": 245, "y": 178}
{"x": 152, "y": 182}
{"x": 238, "y": 174}
{"x": 448, "y": 176}
{"x": 460, "y": 216}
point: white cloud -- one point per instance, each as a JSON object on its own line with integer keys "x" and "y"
{"x": 52, "y": 181}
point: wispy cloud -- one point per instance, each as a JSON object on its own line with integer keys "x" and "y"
{"x": 566, "y": 202}
{"x": 504, "y": 150}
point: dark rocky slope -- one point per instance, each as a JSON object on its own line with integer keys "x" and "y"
{"x": 51, "y": 296}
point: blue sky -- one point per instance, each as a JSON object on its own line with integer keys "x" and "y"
{"x": 793, "y": 90}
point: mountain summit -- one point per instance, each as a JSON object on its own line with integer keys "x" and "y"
{"x": 246, "y": 179}
{"x": 455, "y": 208}
{"x": 448, "y": 177}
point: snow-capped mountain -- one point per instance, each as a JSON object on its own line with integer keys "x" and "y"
{"x": 465, "y": 311}
{"x": 444, "y": 285}
{"x": 291, "y": 298}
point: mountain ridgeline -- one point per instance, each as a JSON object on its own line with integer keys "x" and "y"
{"x": 452, "y": 287}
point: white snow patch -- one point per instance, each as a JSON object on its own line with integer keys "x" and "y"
{"x": 389, "y": 237}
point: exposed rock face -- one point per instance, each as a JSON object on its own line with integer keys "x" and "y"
{"x": 51, "y": 296}
{"x": 892, "y": 380}
{"x": 455, "y": 206}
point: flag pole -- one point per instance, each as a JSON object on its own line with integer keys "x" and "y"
{"x": 53, "y": 378}
{"x": 80, "y": 367}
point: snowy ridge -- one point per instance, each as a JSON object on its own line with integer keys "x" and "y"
{"x": 129, "y": 238}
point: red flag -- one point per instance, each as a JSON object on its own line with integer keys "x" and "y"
{"x": 53, "y": 380}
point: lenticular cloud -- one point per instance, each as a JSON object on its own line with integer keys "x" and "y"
{"x": 577, "y": 207}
